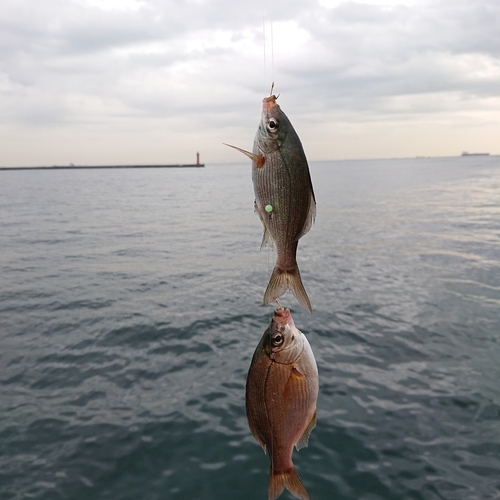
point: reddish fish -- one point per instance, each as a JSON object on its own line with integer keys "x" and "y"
{"x": 281, "y": 394}
{"x": 284, "y": 197}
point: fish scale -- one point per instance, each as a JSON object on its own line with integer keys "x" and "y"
{"x": 282, "y": 383}
{"x": 281, "y": 394}
{"x": 282, "y": 184}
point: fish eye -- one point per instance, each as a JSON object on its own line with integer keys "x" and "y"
{"x": 272, "y": 124}
{"x": 278, "y": 339}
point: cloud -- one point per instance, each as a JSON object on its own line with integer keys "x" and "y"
{"x": 196, "y": 69}
{"x": 376, "y": 51}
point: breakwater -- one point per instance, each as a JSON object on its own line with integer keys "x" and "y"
{"x": 91, "y": 167}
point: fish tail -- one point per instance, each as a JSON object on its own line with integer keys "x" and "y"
{"x": 283, "y": 280}
{"x": 289, "y": 480}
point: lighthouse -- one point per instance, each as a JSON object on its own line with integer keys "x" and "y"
{"x": 197, "y": 158}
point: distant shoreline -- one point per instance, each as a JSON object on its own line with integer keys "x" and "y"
{"x": 97, "y": 167}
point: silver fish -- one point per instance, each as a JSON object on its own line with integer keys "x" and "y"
{"x": 284, "y": 197}
{"x": 281, "y": 393}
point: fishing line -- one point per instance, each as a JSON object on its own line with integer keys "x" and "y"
{"x": 270, "y": 267}
{"x": 264, "y": 44}
{"x": 266, "y": 48}
{"x": 268, "y": 208}
{"x": 272, "y": 50}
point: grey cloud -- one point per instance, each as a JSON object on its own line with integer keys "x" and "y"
{"x": 371, "y": 52}
{"x": 62, "y": 62}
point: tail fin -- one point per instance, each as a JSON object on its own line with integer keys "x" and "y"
{"x": 289, "y": 480}
{"x": 283, "y": 280}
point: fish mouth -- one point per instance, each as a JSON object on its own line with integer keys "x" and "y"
{"x": 269, "y": 103}
{"x": 283, "y": 316}
{"x": 280, "y": 312}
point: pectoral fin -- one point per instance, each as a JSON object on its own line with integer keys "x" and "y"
{"x": 267, "y": 239}
{"x": 258, "y": 159}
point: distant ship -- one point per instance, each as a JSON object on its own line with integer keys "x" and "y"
{"x": 475, "y": 154}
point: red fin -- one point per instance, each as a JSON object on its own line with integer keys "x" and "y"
{"x": 289, "y": 480}
{"x": 258, "y": 159}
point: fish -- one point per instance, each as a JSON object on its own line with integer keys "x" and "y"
{"x": 284, "y": 197}
{"x": 281, "y": 393}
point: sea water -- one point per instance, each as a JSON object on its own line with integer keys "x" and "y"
{"x": 130, "y": 307}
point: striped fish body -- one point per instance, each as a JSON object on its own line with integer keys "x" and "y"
{"x": 281, "y": 394}
{"x": 284, "y": 197}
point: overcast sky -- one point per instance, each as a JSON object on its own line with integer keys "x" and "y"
{"x": 150, "y": 81}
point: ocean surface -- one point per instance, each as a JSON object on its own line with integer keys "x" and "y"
{"x": 130, "y": 307}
